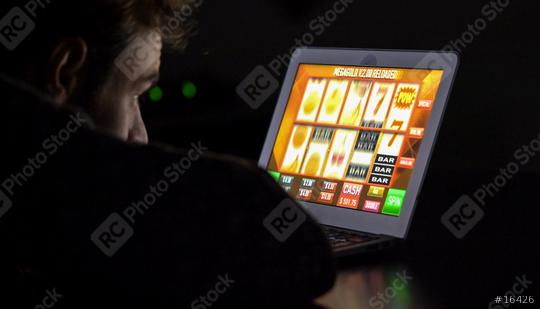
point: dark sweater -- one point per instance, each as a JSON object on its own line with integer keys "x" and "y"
{"x": 103, "y": 224}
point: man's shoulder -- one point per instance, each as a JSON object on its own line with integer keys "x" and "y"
{"x": 192, "y": 159}
{"x": 70, "y": 154}
{"x": 194, "y": 168}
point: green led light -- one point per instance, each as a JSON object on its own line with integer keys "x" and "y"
{"x": 189, "y": 89}
{"x": 155, "y": 94}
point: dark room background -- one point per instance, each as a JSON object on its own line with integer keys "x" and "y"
{"x": 493, "y": 110}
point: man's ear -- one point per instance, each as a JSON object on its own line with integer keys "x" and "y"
{"x": 66, "y": 62}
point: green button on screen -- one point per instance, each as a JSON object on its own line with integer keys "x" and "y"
{"x": 394, "y": 202}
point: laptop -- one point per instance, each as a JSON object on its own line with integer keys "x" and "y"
{"x": 352, "y": 135}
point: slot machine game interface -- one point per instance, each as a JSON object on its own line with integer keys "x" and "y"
{"x": 350, "y": 135}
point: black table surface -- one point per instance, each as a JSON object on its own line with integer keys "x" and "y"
{"x": 433, "y": 268}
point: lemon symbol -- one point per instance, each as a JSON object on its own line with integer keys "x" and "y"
{"x": 333, "y": 101}
{"x": 293, "y": 166}
{"x": 313, "y": 163}
{"x": 299, "y": 137}
{"x": 311, "y": 102}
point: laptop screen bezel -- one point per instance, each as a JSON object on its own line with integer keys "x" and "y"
{"x": 432, "y": 60}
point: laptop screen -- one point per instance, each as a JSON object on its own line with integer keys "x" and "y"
{"x": 349, "y": 136}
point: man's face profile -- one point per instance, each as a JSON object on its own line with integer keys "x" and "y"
{"x": 103, "y": 65}
{"x": 115, "y": 108}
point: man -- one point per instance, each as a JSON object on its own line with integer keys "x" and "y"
{"x": 90, "y": 221}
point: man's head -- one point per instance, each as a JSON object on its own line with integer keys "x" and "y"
{"x": 101, "y": 55}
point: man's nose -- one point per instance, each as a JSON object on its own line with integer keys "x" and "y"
{"x": 137, "y": 132}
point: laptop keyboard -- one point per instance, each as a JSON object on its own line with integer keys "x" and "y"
{"x": 340, "y": 238}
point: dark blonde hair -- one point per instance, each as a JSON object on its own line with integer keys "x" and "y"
{"x": 106, "y": 25}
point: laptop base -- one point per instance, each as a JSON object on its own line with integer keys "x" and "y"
{"x": 346, "y": 242}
